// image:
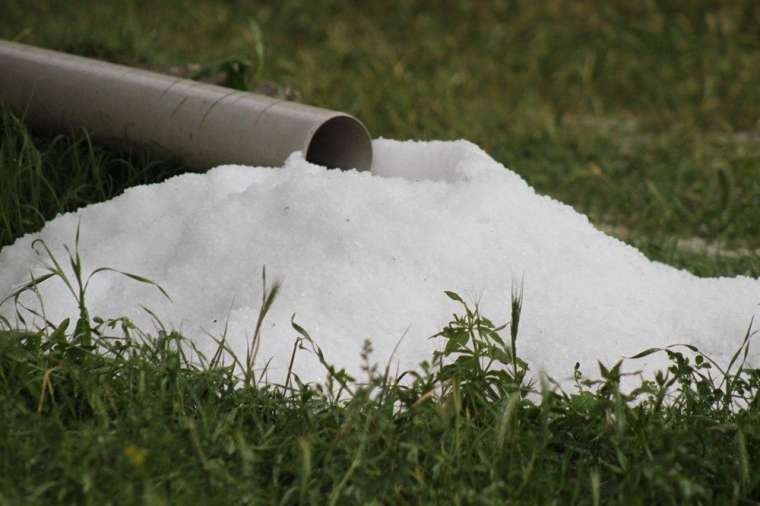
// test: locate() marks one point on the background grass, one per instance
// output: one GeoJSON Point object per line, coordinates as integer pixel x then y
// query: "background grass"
{"type": "Point", "coordinates": [646, 115]}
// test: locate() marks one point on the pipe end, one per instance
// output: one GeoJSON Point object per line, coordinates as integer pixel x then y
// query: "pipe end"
{"type": "Point", "coordinates": [341, 142]}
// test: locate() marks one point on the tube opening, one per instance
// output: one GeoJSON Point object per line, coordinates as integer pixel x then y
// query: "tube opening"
{"type": "Point", "coordinates": [341, 142]}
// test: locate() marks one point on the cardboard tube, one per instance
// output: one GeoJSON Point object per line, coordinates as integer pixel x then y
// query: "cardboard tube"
{"type": "Point", "coordinates": [200, 124]}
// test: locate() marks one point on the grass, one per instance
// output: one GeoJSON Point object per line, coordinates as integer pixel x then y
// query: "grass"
{"type": "Point", "coordinates": [646, 116]}
{"type": "Point", "coordinates": [44, 176]}
{"type": "Point", "coordinates": [100, 413]}
{"type": "Point", "coordinates": [643, 116]}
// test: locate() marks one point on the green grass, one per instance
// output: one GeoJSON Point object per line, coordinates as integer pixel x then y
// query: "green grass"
{"type": "Point", "coordinates": [97, 412]}
{"type": "Point", "coordinates": [43, 176]}
{"type": "Point", "coordinates": [645, 115]}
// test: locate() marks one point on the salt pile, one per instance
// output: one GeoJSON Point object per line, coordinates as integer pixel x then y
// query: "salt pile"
{"type": "Point", "coordinates": [369, 256]}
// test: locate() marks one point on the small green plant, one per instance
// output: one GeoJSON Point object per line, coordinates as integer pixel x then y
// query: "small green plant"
{"type": "Point", "coordinates": [476, 360]}
{"type": "Point", "coordinates": [85, 328]}
{"type": "Point", "coordinates": [697, 388]}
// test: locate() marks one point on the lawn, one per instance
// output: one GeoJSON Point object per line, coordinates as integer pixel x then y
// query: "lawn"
{"type": "Point", "coordinates": [645, 116]}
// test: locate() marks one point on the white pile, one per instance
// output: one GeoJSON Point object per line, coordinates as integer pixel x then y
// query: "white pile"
{"type": "Point", "coordinates": [369, 256]}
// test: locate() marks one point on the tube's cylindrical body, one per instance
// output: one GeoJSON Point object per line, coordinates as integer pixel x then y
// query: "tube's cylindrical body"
{"type": "Point", "coordinates": [200, 124]}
